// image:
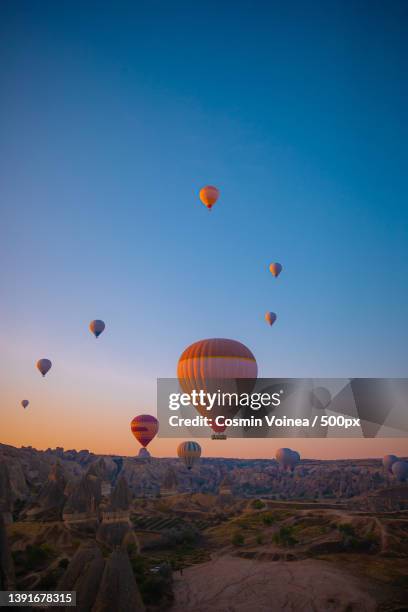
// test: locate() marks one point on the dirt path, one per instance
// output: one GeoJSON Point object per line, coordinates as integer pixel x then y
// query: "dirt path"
{"type": "Point", "coordinates": [232, 584]}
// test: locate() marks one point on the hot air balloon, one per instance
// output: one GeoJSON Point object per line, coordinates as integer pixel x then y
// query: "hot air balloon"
{"type": "Point", "coordinates": [270, 318]}
{"type": "Point", "coordinates": [25, 403]}
{"type": "Point", "coordinates": [96, 327]}
{"type": "Point", "coordinates": [388, 461]}
{"type": "Point", "coordinates": [144, 427]}
{"type": "Point", "coordinates": [217, 364]}
{"type": "Point", "coordinates": [275, 269]}
{"type": "Point", "coordinates": [295, 459]}
{"type": "Point", "coordinates": [44, 365]}
{"type": "Point", "coordinates": [400, 470]}
{"type": "Point", "coordinates": [209, 195]}
{"type": "Point", "coordinates": [284, 457]}
{"type": "Point", "coordinates": [189, 452]}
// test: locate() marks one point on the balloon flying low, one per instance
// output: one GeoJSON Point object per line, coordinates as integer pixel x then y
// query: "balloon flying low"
{"type": "Point", "coordinates": [287, 458]}
{"type": "Point", "coordinates": [270, 318]}
{"type": "Point", "coordinates": [25, 403]}
{"type": "Point", "coordinates": [189, 453]}
{"type": "Point", "coordinates": [44, 365]}
{"type": "Point", "coordinates": [400, 470]}
{"type": "Point", "coordinates": [96, 327]}
{"type": "Point", "coordinates": [388, 462]}
{"type": "Point", "coordinates": [144, 427]}
{"type": "Point", "coordinates": [209, 195]}
{"type": "Point", "coordinates": [275, 269]}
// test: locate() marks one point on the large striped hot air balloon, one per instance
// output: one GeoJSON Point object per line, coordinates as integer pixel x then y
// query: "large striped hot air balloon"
{"type": "Point", "coordinates": [144, 427]}
{"type": "Point", "coordinates": [189, 453]}
{"type": "Point", "coordinates": [217, 364]}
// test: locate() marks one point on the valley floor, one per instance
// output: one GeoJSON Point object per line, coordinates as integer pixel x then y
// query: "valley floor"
{"type": "Point", "coordinates": [233, 584]}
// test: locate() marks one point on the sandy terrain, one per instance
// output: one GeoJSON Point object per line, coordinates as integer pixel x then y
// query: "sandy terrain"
{"type": "Point", "coordinates": [232, 584]}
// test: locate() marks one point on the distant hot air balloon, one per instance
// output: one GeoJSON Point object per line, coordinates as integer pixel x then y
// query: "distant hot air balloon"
{"type": "Point", "coordinates": [284, 458]}
{"type": "Point", "coordinates": [400, 470]}
{"type": "Point", "coordinates": [96, 327]}
{"type": "Point", "coordinates": [217, 364]}
{"type": "Point", "coordinates": [144, 427]}
{"type": "Point", "coordinates": [275, 269]}
{"type": "Point", "coordinates": [189, 453]}
{"type": "Point", "coordinates": [270, 318]}
{"type": "Point", "coordinates": [209, 195]}
{"type": "Point", "coordinates": [388, 461]}
{"type": "Point", "coordinates": [25, 403]}
{"type": "Point", "coordinates": [295, 459]}
{"type": "Point", "coordinates": [44, 365]}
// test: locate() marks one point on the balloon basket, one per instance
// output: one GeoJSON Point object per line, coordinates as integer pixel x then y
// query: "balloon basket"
{"type": "Point", "coordinates": [218, 436]}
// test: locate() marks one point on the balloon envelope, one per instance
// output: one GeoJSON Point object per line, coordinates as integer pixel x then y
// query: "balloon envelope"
{"type": "Point", "coordinates": [44, 365]}
{"type": "Point", "coordinates": [217, 364]}
{"type": "Point", "coordinates": [144, 427]}
{"type": "Point", "coordinates": [388, 461]}
{"type": "Point", "coordinates": [209, 195]}
{"type": "Point", "coordinates": [189, 453]}
{"type": "Point", "coordinates": [284, 457]}
{"type": "Point", "coordinates": [275, 269]}
{"type": "Point", "coordinates": [96, 327]}
{"type": "Point", "coordinates": [400, 470]}
{"type": "Point", "coordinates": [25, 403]}
{"type": "Point", "coordinates": [270, 318]}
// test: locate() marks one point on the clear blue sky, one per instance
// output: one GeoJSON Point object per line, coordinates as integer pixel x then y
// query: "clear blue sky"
{"type": "Point", "coordinates": [114, 114]}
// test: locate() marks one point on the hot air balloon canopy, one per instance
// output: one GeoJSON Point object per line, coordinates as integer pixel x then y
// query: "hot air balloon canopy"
{"type": "Point", "coordinates": [217, 364]}
{"type": "Point", "coordinates": [96, 327]}
{"type": "Point", "coordinates": [209, 195]}
{"type": "Point", "coordinates": [400, 470]}
{"type": "Point", "coordinates": [144, 427]}
{"type": "Point", "coordinates": [275, 269]}
{"type": "Point", "coordinates": [388, 461]}
{"type": "Point", "coordinates": [44, 365]}
{"type": "Point", "coordinates": [270, 317]}
{"type": "Point", "coordinates": [189, 452]}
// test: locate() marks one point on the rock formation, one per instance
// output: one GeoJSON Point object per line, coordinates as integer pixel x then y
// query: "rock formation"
{"type": "Point", "coordinates": [7, 577]}
{"type": "Point", "coordinates": [116, 526]}
{"type": "Point", "coordinates": [118, 589]}
{"type": "Point", "coordinates": [169, 485]}
{"type": "Point", "coordinates": [50, 502]}
{"type": "Point", "coordinates": [6, 496]}
{"type": "Point", "coordinates": [101, 586]}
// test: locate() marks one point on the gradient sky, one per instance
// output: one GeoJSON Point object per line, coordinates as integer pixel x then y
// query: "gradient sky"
{"type": "Point", "coordinates": [112, 116]}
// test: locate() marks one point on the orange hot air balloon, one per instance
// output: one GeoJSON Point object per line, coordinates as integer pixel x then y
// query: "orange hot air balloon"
{"type": "Point", "coordinates": [217, 364]}
{"type": "Point", "coordinates": [275, 269]}
{"type": "Point", "coordinates": [144, 427]}
{"type": "Point", "coordinates": [270, 317]}
{"type": "Point", "coordinates": [209, 195]}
